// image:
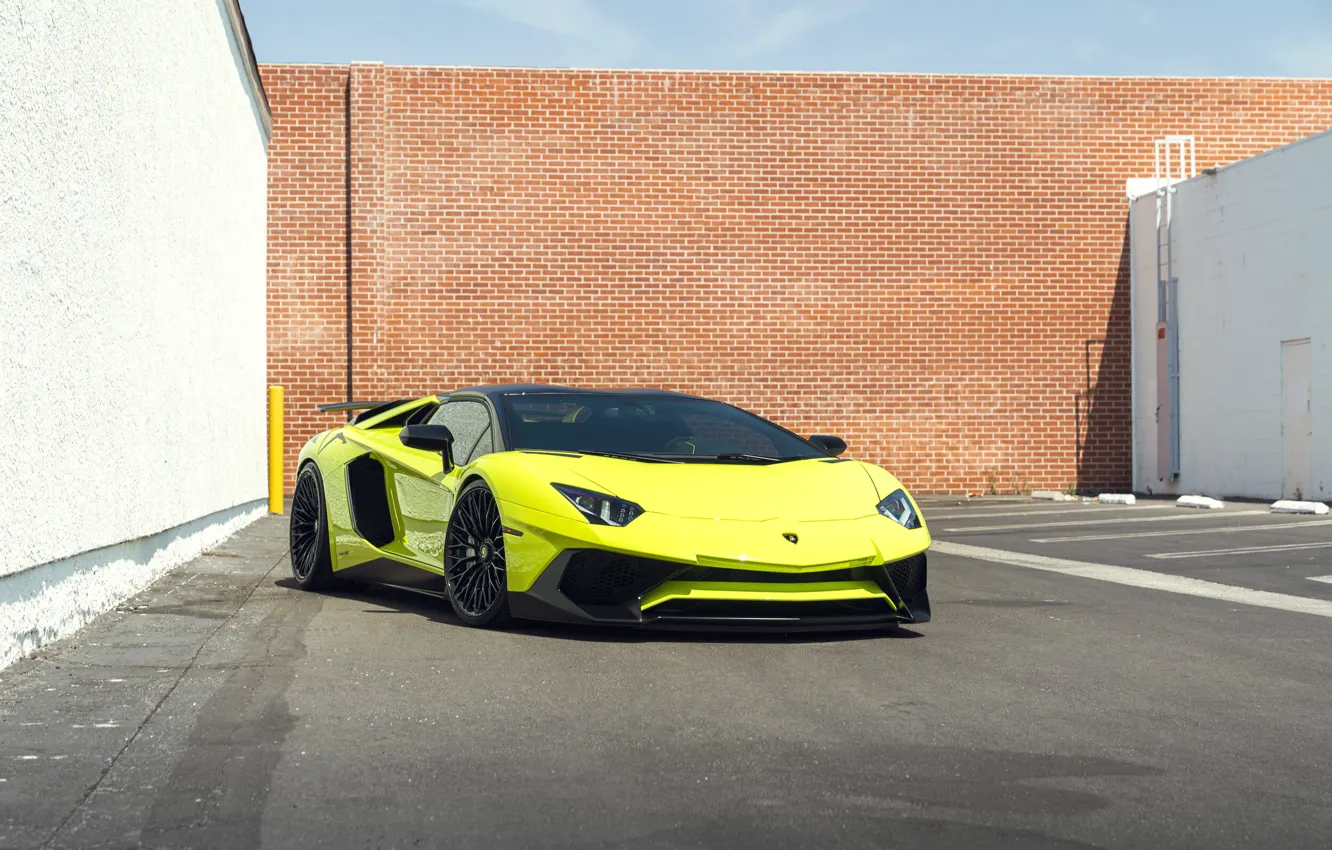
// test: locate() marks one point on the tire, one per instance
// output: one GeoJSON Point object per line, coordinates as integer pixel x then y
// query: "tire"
{"type": "Point", "coordinates": [474, 564]}
{"type": "Point", "coordinates": [308, 543]}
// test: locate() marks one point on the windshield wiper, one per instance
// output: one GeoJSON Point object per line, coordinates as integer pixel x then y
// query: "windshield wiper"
{"type": "Point", "coordinates": [749, 457]}
{"type": "Point", "coordinates": [628, 456]}
{"type": "Point", "coordinates": [667, 458]}
{"type": "Point", "coordinates": [735, 456]}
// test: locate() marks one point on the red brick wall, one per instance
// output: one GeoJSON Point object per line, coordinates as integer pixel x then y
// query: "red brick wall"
{"type": "Point", "coordinates": [932, 267]}
{"type": "Point", "coordinates": [307, 246]}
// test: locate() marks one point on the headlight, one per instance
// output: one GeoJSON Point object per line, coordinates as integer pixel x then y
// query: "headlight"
{"type": "Point", "coordinates": [599, 508]}
{"type": "Point", "coordinates": [898, 507]}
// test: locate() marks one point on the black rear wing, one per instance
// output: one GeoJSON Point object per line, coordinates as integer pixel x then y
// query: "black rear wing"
{"type": "Point", "coordinates": [367, 408]}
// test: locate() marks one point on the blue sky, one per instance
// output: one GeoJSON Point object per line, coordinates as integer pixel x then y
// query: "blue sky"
{"type": "Point", "coordinates": [1175, 37]}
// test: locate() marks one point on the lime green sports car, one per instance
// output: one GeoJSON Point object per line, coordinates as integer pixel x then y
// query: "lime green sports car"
{"type": "Point", "coordinates": [634, 507]}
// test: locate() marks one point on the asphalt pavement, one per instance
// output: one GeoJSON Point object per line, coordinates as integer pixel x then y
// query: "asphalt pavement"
{"type": "Point", "coordinates": [1047, 705]}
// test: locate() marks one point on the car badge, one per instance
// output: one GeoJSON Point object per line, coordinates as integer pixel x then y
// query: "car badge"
{"type": "Point", "coordinates": [790, 538]}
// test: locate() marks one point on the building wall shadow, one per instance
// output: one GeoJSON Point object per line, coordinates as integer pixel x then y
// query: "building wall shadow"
{"type": "Point", "coordinates": [1103, 407]}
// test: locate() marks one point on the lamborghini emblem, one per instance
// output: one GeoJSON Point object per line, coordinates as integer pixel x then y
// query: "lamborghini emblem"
{"type": "Point", "coordinates": [790, 538]}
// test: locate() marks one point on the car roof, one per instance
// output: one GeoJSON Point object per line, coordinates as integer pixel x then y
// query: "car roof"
{"type": "Point", "coordinates": [495, 391]}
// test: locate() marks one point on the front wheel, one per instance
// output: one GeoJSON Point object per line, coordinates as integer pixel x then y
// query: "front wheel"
{"type": "Point", "coordinates": [474, 565]}
{"type": "Point", "coordinates": [311, 560]}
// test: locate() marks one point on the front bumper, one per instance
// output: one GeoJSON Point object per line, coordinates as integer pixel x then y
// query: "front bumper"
{"type": "Point", "coordinates": [678, 572]}
{"type": "Point", "coordinates": [598, 586]}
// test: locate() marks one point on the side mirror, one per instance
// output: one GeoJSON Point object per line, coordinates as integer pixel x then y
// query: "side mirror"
{"type": "Point", "coordinates": [429, 438]}
{"type": "Point", "coordinates": [832, 445]}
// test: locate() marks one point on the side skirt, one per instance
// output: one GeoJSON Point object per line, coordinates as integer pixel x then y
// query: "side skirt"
{"type": "Point", "coordinates": [396, 573]}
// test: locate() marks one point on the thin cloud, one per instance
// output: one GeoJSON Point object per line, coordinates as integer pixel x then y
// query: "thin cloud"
{"type": "Point", "coordinates": [1303, 56]}
{"type": "Point", "coordinates": [1015, 54]}
{"type": "Point", "coordinates": [1009, 49]}
{"type": "Point", "coordinates": [1141, 16]}
{"type": "Point", "coordinates": [793, 25]}
{"type": "Point", "coordinates": [576, 20]}
{"type": "Point", "coordinates": [1090, 51]}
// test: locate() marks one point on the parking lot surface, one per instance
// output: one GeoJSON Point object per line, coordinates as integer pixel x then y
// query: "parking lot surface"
{"type": "Point", "coordinates": [1243, 544]}
{"type": "Point", "coordinates": [1095, 676]}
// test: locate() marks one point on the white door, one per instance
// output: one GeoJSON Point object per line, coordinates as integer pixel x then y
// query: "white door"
{"type": "Point", "coordinates": [1296, 424]}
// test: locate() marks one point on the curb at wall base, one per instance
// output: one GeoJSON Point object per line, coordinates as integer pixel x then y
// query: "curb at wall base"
{"type": "Point", "coordinates": [50, 601]}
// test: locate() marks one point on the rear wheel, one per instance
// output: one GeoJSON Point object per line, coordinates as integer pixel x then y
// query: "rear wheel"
{"type": "Point", "coordinates": [311, 561]}
{"type": "Point", "coordinates": [474, 564]}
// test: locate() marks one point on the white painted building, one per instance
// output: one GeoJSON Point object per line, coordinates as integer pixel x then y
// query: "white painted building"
{"type": "Point", "coordinates": [1250, 248]}
{"type": "Point", "coordinates": [133, 185]}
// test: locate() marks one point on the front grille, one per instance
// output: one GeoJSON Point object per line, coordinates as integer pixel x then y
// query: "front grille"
{"type": "Point", "coordinates": [768, 577]}
{"type": "Point", "coordinates": [908, 576]}
{"type": "Point", "coordinates": [594, 577]}
{"type": "Point", "coordinates": [739, 611]}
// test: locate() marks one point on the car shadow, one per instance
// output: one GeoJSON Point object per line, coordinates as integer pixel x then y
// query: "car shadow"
{"type": "Point", "coordinates": [394, 600]}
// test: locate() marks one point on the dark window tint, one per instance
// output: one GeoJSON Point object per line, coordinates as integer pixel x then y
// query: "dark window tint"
{"type": "Point", "coordinates": [372, 412]}
{"type": "Point", "coordinates": [422, 413]}
{"type": "Point", "coordinates": [711, 434]}
{"type": "Point", "coordinates": [469, 421]}
{"type": "Point", "coordinates": [397, 420]}
{"type": "Point", "coordinates": [484, 446]}
{"type": "Point", "coordinates": [645, 424]}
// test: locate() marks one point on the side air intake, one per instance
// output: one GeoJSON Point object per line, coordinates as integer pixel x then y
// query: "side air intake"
{"type": "Point", "coordinates": [594, 577]}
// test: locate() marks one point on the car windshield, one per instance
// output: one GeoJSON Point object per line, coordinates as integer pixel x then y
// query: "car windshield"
{"type": "Point", "coordinates": [660, 427]}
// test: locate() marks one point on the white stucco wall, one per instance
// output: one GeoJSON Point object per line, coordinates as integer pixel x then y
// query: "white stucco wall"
{"type": "Point", "coordinates": [133, 174]}
{"type": "Point", "coordinates": [1253, 254]}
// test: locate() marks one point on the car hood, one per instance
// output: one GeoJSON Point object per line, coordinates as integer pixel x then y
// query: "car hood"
{"type": "Point", "coordinates": [804, 490]}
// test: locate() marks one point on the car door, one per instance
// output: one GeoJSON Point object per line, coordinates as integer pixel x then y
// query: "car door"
{"type": "Point", "coordinates": [424, 492]}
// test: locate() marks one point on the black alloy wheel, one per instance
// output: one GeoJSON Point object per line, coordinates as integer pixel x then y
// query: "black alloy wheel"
{"type": "Point", "coordinates": [474, 566]}
{"type": "Point", "coordinates": [311, 561]}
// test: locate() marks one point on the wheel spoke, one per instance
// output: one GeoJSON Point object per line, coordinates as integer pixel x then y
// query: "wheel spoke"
{"type": "Point", "coordinates": [304, 529]}
{"type": "Point", "coordinates": [475, 582]}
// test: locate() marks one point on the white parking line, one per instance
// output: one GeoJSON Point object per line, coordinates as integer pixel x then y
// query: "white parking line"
{"type": "Point", "coordinates": [1141, 578]}
{"type": "Point", "coordinates": [1323, 579]}
{"type": "Point", "coordinates": [1136, 534]}
{"type": "Point", "coordinates": [997, 510]}
{"type": "Point", "coordinates": [1245, 550]}
{"type": "Point", "coordinates": [1190, 515]}
{"type": "Point", "coordinates": [1059, 510]}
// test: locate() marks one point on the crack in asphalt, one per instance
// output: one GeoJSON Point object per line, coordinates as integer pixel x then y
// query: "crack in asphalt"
{"type": "Point", "coordinates": [92, 789]}
{"type": "Point", "coordinates": [167, 668]}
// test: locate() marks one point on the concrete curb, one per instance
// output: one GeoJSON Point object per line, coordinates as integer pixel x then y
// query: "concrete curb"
{"type": "Point", "coordinates": [1288, 506]}
{"type": "Point", "coordinates": [49, 601]}
{"type": "Point", "coordinates": [1202, 502]}
{"type": "Point", "coordinates": [1117, 499]}
{"type": "Point", "coordinates": [1052, 496]}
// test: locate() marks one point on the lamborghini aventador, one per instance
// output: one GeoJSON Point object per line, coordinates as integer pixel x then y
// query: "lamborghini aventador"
{"type": "Point", "coordinates": [635, 507]}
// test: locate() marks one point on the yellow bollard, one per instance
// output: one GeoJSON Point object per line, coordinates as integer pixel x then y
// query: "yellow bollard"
{"type": "Point", "coordinates": [275, 477]}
